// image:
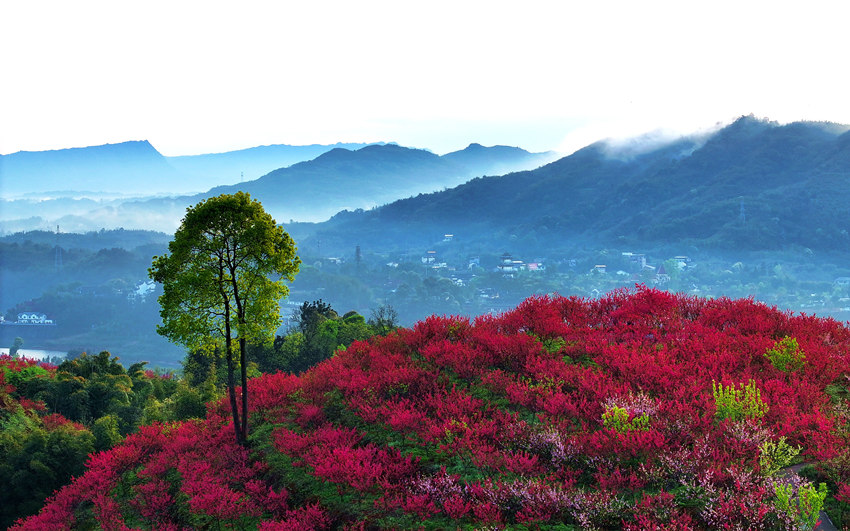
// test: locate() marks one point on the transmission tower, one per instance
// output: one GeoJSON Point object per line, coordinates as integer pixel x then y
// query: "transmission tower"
{"type": "Point", "coordinates": [57, 254]}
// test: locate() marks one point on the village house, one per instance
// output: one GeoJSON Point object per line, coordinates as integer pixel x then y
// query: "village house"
{"type": "Point", "coordinates": [508, 266]}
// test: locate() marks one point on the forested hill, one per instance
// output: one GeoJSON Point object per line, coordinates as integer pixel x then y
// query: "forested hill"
{"type": "Point", "coordinates": [640, 410]}
{"type": "Point", "coordinates": [753, 184]}
{"type": "Point", "coordinates": [371, 176]}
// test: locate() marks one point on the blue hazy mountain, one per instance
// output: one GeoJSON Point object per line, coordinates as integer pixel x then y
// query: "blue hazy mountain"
{"type": "Point", "coordinates": [372, 176]}
{"type": "Point", "coordinates": [754, 184]}
{"type": "Point", "coordinates": [343, 176]}
{"type": "Point", "coordinates": [127, 168]}
{"type": "Point", "coordinates": [248, 164]}
{"type": "Point", "coordinates": [137, 168]}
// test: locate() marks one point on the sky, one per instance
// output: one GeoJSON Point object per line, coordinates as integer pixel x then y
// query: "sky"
{"type": "Point", "coordinates": [207, 76]}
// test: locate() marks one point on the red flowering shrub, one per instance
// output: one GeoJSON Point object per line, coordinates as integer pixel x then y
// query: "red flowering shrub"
{"type": "Point", "coordinates": [595, 414]}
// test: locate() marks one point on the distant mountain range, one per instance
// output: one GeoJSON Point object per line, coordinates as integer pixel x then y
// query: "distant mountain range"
{"type": "Point", "coordinates": [137, 168]}
{"type": "Point", "coordinates": [751, 185]}
{"type": "Point", "coordinates": [372, 176]}
{"type": "Point", "coordinates": [343, 176]}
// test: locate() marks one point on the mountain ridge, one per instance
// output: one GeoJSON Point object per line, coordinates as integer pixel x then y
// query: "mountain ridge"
{"type": "Point", "coordinates": [793, 182]}
{"type": "Point", "coordinates": [312, 190]}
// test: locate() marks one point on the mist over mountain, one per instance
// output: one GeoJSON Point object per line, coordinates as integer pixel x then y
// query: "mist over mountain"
{"type": "Point", "coordinates": [215, 169]}
{"type": "Point", "coordinates": [128, 168]}
{"type": "Point", "coordinates": [314, 190]}
{"type": "Point", "coordinates": [136, 168]}
{"type": "Point", "coordinates": [753, 184]}
{"type": "Point", "coordinates": [369, 177]}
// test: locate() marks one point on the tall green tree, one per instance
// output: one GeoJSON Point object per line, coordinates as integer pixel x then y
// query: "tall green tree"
{"type": "Point", "coordinates": [222, 279]}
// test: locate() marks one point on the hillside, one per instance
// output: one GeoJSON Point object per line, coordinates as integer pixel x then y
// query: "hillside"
{"type": "Point", "coordinates": [125, 168]}
{"type": "Point", "coordinates": [753, 185]}
{"type": "Point", "coordinates": [372, 176]}
{"type": "Point", "coordinates": [90, 288]}
{"type": "Point", "coordinates": [616, 413]}
{"type": "Point", "coordinates": [249, 164]}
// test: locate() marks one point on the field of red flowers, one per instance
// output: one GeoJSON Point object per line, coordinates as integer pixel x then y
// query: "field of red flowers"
{"type": "Point", "coordinates": [640, 410]}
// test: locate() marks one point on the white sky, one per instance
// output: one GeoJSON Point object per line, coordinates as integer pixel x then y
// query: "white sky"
{"type": "Point", "coordinates": [207, 76]}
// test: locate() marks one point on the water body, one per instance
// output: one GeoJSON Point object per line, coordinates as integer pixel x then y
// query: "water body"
{"type": "Point", "coordinates": [36, 354]}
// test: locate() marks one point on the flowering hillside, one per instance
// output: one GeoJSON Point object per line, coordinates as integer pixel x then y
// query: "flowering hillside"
{"type": "Point", "coordinates": [641, 410]}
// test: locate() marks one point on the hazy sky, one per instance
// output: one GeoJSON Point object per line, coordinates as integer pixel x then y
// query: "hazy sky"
{"type": "Point", "coordinates": [195, 77]}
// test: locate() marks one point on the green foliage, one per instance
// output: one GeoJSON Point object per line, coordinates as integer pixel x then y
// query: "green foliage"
{"type": "Point", "coordinates": [838, 391]}
{"type": "Point", "coordinates": [786, 355]}
{"type": "Point", "coordinates": [216, 277]}
{"type": "Point", "coordinates": [90, 387]}
{"type": "Point", "coordinates": [618, 419]}
{"type": "Point", "coordinates": [804, 509]}
{"type": "Point", "coordinates": [320, 332]}
{"type": "Point", "coordinates": [383, 319]}
{"type": "Point", "coordinates": [188, 403]}
{"type": "Point", "coordinates": [774, 456]}
{"type": "Point", "coordinates": [17, 378]}
{"type": "Point", "coordinates": [554, 345]}
{"type": "Point", "coordinates": [105, 431]}
{"type": "Point", "coordinates": [738, 403]}
{"type": "Point", "coordinates": [35, 461]}
{"type": "Point", "coordinates": [105, 402]}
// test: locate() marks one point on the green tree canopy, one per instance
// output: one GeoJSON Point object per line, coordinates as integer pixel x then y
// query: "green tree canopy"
{"type": "Point", "coordinates": [222, 280]}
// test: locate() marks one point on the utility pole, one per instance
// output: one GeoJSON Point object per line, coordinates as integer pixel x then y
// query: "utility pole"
{"type": "Point", "coordinates": [357, 258]}
{"type": "Point", "coordinates": [57, 254]}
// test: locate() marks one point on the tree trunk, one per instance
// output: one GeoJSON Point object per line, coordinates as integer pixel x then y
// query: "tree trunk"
{"type": "Point", "coordinates": [243, 359]}
{"type": "Point", "coordinates": [231, 381]}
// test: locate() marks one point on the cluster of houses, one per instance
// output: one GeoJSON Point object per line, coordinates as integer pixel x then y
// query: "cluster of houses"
{"type": "Point", "coordinates": [635, 264]}
{"type": "Point", "coordinates": [638, 266]}
{"type": "Point", "coordinates": [508, 266]}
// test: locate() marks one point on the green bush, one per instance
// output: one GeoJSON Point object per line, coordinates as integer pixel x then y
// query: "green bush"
{"type": "Point", "coordinates": [804, 509]}
{"type": "Point", "coordinates": [617, 418]}
{"type": "Point", "coordinates": [738, 403]}
{"type": "Point", "coordinates": [106, 433]}
{"type": "Point", "coordinates": [786, 355]}
{"type": "Point", "coordinates": [774, 456]}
